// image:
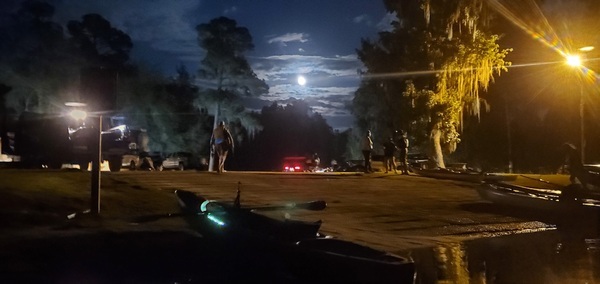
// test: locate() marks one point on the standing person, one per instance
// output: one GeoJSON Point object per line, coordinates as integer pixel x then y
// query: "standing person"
{"type": "Point", "coordinates": [315, 162]}
{"type": "Point", "coordinates": [222, 142]}
{"type": "Point", "coordinates": [367, 148]}
{"type": "Point", "coordinates": [403, 146]}
{"type": "Point", "coordinates": [389, 151]}
{"type": "Point", "coordinates": [575, 165]}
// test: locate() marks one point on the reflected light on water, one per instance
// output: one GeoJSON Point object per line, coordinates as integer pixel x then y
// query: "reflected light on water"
{"type": "Point", "coordinates": [545, 257]}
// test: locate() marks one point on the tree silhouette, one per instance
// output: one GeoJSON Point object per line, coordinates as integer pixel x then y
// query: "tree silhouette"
{"type": "Point", "coordinates": [99, 43]}
{"type": "Point", "coordinates": [225, 72]}
{"type": "Point", "coordinates": [34, 59]}
{"type": "Point", "coordinates": [428, 71]}
{"type": "Point", "coordinates": [105, 50]}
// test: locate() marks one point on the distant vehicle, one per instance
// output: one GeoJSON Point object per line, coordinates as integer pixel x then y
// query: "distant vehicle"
{"type": "Point", "coordinates": [52, 140]}
{"type": "Point", "coordinates": [182, 161]}
{"type": "Point", "coordinates": [352, 166]}
{"type": "Point", "coordinates": [130, 160]}
{"type": "Point", "coordinates": [417, 160]}
{"type": "Point", "coordinates": [133, 160]}
{"type": "Point", "coordinates": [294, 164]}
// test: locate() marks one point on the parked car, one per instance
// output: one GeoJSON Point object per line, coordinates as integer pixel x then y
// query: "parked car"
{"type": "Point", "coordinates": [133, 160]}
{"type": "Point", "coordinates": [182, 161]}
{"type": "Point", "coordinates": [352, 166]}
{"type": "Point", "coordinates": [417, 160]}
{"type": "Point", "coordinates": [294, 164]}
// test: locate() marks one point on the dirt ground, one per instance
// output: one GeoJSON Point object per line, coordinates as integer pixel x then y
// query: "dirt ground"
{"type": "Point", "coordinates": [43, 211]}
{"type": "Point", "coordinates": [392, 212]}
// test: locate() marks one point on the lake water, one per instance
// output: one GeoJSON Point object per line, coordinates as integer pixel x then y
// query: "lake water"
{"type": "Point", "coordinates": [569, 255]}
{"type": "Point", "coordinates": [557, 256]}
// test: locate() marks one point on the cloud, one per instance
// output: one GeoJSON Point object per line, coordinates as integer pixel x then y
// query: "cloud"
{"type": "Point", "coordinates": [165, 26]}
{"type": "Point", "coordinates": [385, 24]}
{"type": "Point", "coordinates": [281, 67]}
{"type": "Point", "coordinates": [331, 82]}
{"type": "Point", "coordinates": [164, 29]}
{"type": "Point", "coordinates": [230, 10]}
{"type": "Point", "coordinates": [289, 37]}
{"type": "Point", "coordinates": [363, 19]}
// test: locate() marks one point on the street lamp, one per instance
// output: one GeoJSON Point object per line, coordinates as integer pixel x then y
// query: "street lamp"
{"type": "Point", "coordinates": [80, 115]}
{"type": "Point", "coordinates": [575, 61]}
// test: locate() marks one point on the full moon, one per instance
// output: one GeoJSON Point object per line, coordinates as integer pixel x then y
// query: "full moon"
{"type": "Point", "coordinates": [301, 80]}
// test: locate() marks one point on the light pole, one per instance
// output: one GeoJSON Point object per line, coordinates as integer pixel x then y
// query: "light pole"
{"type": "Point", "coordinates": [575, 61]}
{"type": "Point", "coordinates": [79, 114]}
{"type": "Point", "coordinates": [581, 122]}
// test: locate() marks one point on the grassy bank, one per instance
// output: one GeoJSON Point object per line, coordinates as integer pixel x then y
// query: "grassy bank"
{"type": "Point", "coordinates": [46, 197]}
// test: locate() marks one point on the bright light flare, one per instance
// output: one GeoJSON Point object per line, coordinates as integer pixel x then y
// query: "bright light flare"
{"type": "Point", "coordinates": [75, 104]}
{"type": "Point", "coordinates": [574, 60]}
{"type": "Point", "coordinates": [301, 80]}
{"type": "Point", "coordinates": [78, 114]}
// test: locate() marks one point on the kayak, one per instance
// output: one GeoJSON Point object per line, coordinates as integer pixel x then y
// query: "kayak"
{"type": "Point", "coordinates": [462, 175]}
{"type": "Point", "coordinates": [541, 199]}
{"type": "Point", "coordinates": [221, 220]}
{"type": "Point", "coordinates": [311, 255]}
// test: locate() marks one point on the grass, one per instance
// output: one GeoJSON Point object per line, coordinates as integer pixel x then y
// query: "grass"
{"type": "Point", "coordinates": [44, 197]}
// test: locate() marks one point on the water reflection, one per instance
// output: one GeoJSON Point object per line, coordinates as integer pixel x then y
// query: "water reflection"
{"type": "Point", "coordinates": [569, 254]}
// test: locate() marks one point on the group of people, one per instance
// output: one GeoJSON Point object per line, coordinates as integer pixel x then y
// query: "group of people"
{"type": "Point", "coordinates": [393, 145]}
{"type": "Point", "coordinates": [222, 143]}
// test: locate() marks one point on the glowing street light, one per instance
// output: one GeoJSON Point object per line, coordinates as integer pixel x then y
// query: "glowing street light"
{"type": "Point", "coordinates": [78, 114]}
{"type": "Point", "coordinates": [575, 61]}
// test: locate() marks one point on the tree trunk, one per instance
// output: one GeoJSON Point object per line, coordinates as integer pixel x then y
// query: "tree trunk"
{"type": "Point", "coordinates": [436, 156]}
{"type": "Point", "coordinates": [211, 159]}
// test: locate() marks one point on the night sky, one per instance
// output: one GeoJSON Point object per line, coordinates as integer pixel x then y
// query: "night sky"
{"type": "Point", "coordinates": [312, 38]}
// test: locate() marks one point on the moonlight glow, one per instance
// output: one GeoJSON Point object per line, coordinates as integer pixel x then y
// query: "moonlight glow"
{"type": "Point", "coordinates": [301, 80]}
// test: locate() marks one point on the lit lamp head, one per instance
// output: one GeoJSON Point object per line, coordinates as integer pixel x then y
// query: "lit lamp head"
{"type": "Point", "coordinates": [78, 114]}
{"type": "Point", "coordinates": [574, 60]}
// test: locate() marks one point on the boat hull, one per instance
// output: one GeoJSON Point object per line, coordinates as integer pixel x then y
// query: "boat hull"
{"type": "Point", "coordinates": [466, 176]}
{"type": "Point", "coordinates": [537, 198]}
{"type": "Point", "coordinates": [339, 261]}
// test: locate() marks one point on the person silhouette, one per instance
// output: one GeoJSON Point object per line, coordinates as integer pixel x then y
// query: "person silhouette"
{"type": "Point", "coordinates": [222, 142]}
{"type": "Point", "coordinates": [367, 148]}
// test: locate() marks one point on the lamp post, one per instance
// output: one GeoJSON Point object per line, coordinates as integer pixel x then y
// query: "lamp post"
{"type": "Point", "coordinates": [80, 115]}
{"type": "Point", "coordinates": [575, 61]}
{"type": "Point", "coordinates": [581, 122]}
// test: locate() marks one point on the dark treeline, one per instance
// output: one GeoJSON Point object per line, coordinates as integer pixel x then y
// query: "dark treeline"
{"type": "Point", "coordinates": [291, 130]}
{"type": "Point", "coordinates": [43, 65]}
